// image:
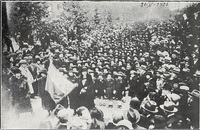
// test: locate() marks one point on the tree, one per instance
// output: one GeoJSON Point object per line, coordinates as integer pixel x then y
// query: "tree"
{"type": "Point", "coordinates": [27, 17]}
{"type": "Point", "coordinates": [75, 18]}
{"type": "Point", "coordinates": [109, 17]}
{"type": "Point", "coordinates": [5, 29]}
{"type": "Point", "coordinates": [189, 23]}
{"type": "Point", "coordinates": [96, 16]}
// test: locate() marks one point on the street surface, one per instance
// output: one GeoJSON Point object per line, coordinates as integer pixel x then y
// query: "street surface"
{"type": "Point", "coordinates": [27, 120]}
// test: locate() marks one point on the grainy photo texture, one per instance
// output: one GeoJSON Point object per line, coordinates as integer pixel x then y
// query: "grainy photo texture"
{"type": "Point", "coordinates": [100, 65]}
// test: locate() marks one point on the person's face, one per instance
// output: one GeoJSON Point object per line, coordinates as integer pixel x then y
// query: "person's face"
{"type": "Point", "coordinates": [120, 63]}
{"type": "Point", "coordinates": [98, 61]}
{"type": "Point", "coordinates": [30, 57]}
{"type": "Point", "coordinates": [61, 55]}
{"type": "Point", "coordinates": [120, 77]}
{"type": "Point", "coordinates": [18, 75]}
{"type": "Point", "coordinates": [93, 65]}
{"type": "Point", "coordinates": [86, 64]}
{"type": "Point", "coordinates": [79, 65]}
{"type": "Point", "coordinates": [105, 70]}
{"type": "Point", "coordinates": [109, 76]}
{"type": "Point", "coordinates": [158, 74]}
{"type": "Point", "coordinates": [38, 62]}
{"type": "Point", "coordinates": [11, 59]}
{"type": "Point", "coordinates": [71, 64]}
{"type": "Point", "coordinates": [132, 73]}
{"type": "Point", "coordinates": [84, 72]}
{"type": "Point", "coordinates": [148, 76]}
{"type": "Point", "coordinates": [173, 76]}
{"type": "Point", "coordinates": [128, 66]}
{"type": "Point", "coordinates": [92, 74]}
{"type": "Point", "coordinates": [100, 77]}
{"type": "Point", "coordinates": [70, 73]}
{"type": "Point", "coordinates": [96, 69]}
{"type": "Point", "coordinates": [30, 60]}
{"type": "Point", "coordinates": [174, 56]}
{"type": "Point", "coordinates": [41, 54]}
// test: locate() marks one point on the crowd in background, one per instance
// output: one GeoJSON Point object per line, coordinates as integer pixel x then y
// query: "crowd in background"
{"type": "Point", "coordinates": [151, 65]}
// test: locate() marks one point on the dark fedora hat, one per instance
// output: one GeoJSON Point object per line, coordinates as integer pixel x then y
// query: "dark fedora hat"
{"type": "Point", "coordinates": [135, 103]}
{"type": "Point", "coordinates": [150, 106]}
{"type": "Point", "coordinates": [15, 70]}
{"type": "Point", "coordinates": [132, 115]}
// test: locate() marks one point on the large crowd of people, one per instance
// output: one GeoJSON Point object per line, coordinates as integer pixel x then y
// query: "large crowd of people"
{"type": "Point", "coordinates": [150, 65]}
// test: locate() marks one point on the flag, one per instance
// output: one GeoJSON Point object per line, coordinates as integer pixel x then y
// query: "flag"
{"type": "Point", "coordinates": [57, 85]}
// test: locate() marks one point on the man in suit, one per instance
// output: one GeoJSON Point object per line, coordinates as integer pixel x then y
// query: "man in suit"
{"type": "Point", "coordinates": [173, 120]}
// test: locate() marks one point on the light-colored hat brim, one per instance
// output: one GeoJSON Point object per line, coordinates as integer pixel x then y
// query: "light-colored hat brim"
{"type": "Point", "coordinates": [156, 110]}
{"type": "Point", "coordinates": [175, 109]}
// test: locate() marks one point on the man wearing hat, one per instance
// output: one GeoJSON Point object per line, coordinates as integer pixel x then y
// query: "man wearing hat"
{"type": "Point", "coordinates": [97, 117]}
{"type": "Point", "coordinates": [134, 117]}
{"type": "Point", "coordinates": [85, 84]}
{"type": "Point", "coordinates": [119, 85]}
{"type": "Point", "coordinates": [64, 115]}
{"type": "Point", "coordinates": [100, 87]}
{"type": "Point", "coordinates": [133, 83]}
{"type": "Point", "coordinates": [149, 109]}
{"type": "Point", "coordinates": [169, 113]}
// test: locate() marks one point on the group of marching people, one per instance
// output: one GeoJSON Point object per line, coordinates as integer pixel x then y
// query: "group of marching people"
{"type": "Point", "coordinates": [150, 68]}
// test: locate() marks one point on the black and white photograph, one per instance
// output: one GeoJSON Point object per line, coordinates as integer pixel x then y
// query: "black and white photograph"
{"type": "Point", "coordinates": [100, 65]}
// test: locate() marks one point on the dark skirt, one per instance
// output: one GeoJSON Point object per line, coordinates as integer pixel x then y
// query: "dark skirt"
{"type": "Point", "coordinates": [47, 102]}
{"type": "Point", "coordinates": [23, 105]}
{"type": "Point", "coordinates": [87, 100]}
{"type": "Point", "coordinates": [109, 93]}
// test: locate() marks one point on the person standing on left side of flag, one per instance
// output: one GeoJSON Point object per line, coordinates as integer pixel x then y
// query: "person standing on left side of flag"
{"type": "Point", "coordinates": [20, 93]}
{"type": "Point", "coordinates": [25, 72]}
